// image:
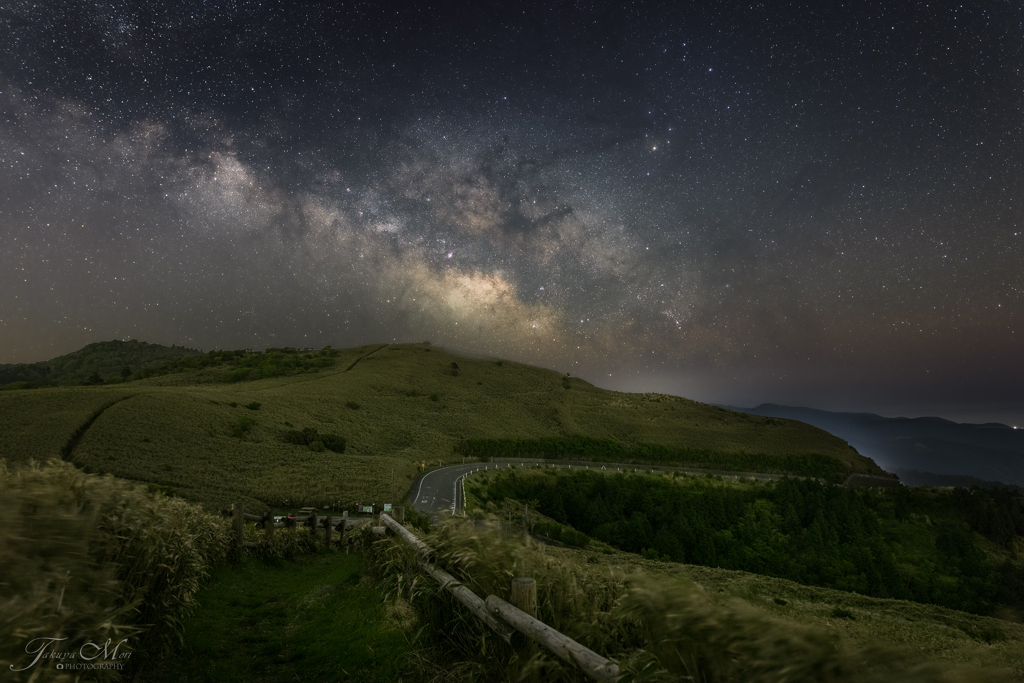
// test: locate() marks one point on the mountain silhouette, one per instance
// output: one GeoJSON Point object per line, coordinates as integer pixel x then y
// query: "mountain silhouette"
{"type": "Point", "coordinates": [920, 445]}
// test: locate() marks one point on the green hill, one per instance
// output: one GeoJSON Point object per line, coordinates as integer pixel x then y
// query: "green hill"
{"type": "Point", "coordinates": [94, 364]}
{"type": "Point", "coordinates": [216, 435]}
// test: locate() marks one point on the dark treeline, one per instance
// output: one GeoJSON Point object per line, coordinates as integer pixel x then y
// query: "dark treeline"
{"type": "Point", "coordinates": [960, 549]}
{"type": "Point", "coordinates": [609, 450]}
{"type": "Point", "coordinates": [241, 365]}
{"type": "Point", "coordinates": [116, 362]}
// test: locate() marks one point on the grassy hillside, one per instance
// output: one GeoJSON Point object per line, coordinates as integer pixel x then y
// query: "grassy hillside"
{"type": "Point", "coordinates": [956, 548]}
{"type": "Point", "coordinates": [93, 364]}
{"type": "Point", "coordinates": [397, 406]}
{"type": "Point", "coordinates": [725, 626]}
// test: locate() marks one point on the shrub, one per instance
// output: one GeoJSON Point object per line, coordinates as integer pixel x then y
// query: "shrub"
{"type": "Point", "coordinates": [352, 404]}
{"type": "Point", "coordinates": [243, 427]}
{"type": "Point", "coordinates": [255, 405]}
{"type": "Point", "coordinates": [333, 442]}
{"type": "Point", "coordinates": [315, 440]}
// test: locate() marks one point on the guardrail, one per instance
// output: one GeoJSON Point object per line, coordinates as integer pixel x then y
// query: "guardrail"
{"type": "Point", "coordinates": [505, 618]}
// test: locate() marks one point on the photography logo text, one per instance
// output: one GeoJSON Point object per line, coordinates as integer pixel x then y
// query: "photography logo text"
{"type": "Point", "coordinates": [108, 655]}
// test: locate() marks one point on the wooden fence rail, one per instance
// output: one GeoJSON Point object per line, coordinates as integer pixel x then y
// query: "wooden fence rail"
{"type": "Point", "coordinates": [239, 517]}
{"type": "Point", "coordinates": [503, 617]}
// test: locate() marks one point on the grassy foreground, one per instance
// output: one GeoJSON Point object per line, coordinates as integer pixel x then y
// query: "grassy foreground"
{"type": "Point", "coordinates": [84, 559]}
{"type": "Point", "coordinates": [314, 619]}
{"type": "Point", "coordinates": [397, 407]}
{"type": "Point", "coordinates": [665, 621]}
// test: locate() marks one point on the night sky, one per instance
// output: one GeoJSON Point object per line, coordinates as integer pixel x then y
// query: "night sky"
{"type": "Point", "coordinates": [813, 204]}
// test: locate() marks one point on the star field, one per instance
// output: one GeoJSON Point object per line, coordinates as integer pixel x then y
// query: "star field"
{"type": "Point", "coordinates": [804, 203]}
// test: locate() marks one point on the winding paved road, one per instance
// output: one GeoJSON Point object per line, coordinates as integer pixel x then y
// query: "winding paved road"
{"type": "Point", "coordinates": [440, 492]}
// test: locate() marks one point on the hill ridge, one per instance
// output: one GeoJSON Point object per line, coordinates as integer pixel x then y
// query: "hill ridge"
{"type": "Point", "coordinates": [210, 427]}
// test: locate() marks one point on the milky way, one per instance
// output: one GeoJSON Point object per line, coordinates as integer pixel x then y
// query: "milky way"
{"type": "Point", "coordinates": [807, 204]}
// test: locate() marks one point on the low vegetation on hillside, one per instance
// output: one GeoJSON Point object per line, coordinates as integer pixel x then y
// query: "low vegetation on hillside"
{"type": "Point", "coordinates": [956, 548]}
{"type": "Point", "coordinates": [585, 448]}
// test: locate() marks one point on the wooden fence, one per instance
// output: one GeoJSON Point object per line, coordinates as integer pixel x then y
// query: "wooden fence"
{"type": "Point", "coordinates": [502, 617]}
{"type": "Point", "coordinates": [505, 618]}
{"type": "Point", "coordinates": [328, 523]}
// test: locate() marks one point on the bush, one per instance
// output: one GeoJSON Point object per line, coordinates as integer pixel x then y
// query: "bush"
{"type": "Point", "coordinates": [243, 427]}
{"type": "Point", "coordinates": [352, 404]}
{"type": "Point", "coordinates": [316, 441]}
{"type": "Point", "coordinates": [255, 405]}
{"type": "Point", "coordinates": [333, 442]}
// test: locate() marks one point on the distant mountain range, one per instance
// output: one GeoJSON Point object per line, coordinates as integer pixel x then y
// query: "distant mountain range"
{"type": "Point", "coordinates": [921, 450]}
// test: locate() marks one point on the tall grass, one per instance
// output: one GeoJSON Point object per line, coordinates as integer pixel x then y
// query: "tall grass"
{"type": "Point", "coordinates": [658, 628]}
{"type": "Point", "coordinates": [87, 558]}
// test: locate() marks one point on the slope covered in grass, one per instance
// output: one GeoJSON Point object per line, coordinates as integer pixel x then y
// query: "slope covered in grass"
{"type": "Point", "coordinates": [955, 548]}
{"type": "Point", "coordinates": [664, 621]}
{"type": "Point", "coordinates": [396, 406]}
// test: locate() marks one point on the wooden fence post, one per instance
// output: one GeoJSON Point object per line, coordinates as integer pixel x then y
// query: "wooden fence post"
{"type": "Point", "coordinates": [312, 523]}
{"type": "Point", "coordinates": [524, 595]}
{"type": "Point", "coordinates": [593, 664]}
{"type": "Point", "coordinates": [268, 526]}
{"type": "Point", "coordinates": [238, 521]}
{"type": "Point", "coordinates": [399, 514]}
{"type": "Point", "coordinates": [327, 532]}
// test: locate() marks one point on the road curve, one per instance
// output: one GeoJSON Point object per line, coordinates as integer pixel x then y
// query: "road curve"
{"type": "Point", "coordinates": [439, 492]}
